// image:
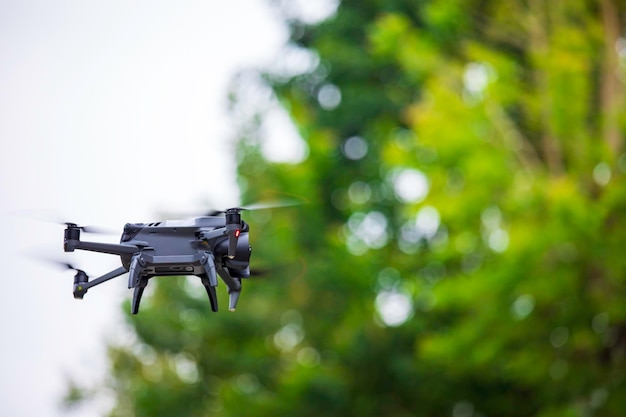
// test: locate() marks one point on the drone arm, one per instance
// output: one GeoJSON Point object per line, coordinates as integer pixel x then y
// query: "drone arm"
{"type": "Point", "coordinates": [113, 274]}
{"type": "Point", "coordinates": [110, 248]}
{"type": "Point", "coordinates": [212, 234]}
{"type": "Point", "coordinates": [232, 230]}
{"type": "Point", "coordinates": [81, 288]}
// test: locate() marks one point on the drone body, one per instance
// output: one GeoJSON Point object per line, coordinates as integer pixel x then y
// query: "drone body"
{"type": "Point", "coordinates": [206, 247]}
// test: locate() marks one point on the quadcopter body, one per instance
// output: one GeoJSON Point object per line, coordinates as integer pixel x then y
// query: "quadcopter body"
{"type": "Point", "coordinates": [207, 247]}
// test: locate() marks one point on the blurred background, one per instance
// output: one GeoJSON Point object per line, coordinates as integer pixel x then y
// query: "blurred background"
{"type": "Point", "coordinates": [462, 251]}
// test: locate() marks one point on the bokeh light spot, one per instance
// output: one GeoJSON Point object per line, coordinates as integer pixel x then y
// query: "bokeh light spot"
{"type": "Point", "coordinates": [598, 397]}
{"type": "Point", "coordinates": [366, 231]}
{"type": "Point", "coordinates": [329, 96]}
{"type": "Point", "coordinates": [394, 307]}
{"type": "Point", "coordinates": [308, 357]}
{"type": "Point", "coordinates": [491, 217]}
{"type": "Point", "coordinates": [410, 185]}
{"type": "Point", "coordinates": [427, 222]}
{"type": "Point", "coordinates": [355, 148]}
{"type": "Point", "coordinates": [389, 278]}
{"type": "Point", "coordinates": [463, 409]}
{"type": "Point", "coordinates": [523, 306]}
{"type": "Point", "coordinates": [360, 192]}
{"type": "Point", "coordinates": [186, 368]}
{"type": "Point", "coordinates": [288, 337]}
{"type": "Point", "coordinates": [559, 337]}
{"type": "Point", "coordinates": [476, 78]}
{"type": "Point", "coordinates": [498, 240]}
{"type": "Point", "coordinates": [602, 174]}
{"type": "Point", "coordinates": [247, 383]}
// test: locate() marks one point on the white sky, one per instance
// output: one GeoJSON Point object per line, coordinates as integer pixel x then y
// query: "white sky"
{"type": "Point", "coordinates": [109, 111]}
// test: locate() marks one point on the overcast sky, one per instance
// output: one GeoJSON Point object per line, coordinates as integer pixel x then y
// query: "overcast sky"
{"type": "Point", "coordinates": [109, 112]}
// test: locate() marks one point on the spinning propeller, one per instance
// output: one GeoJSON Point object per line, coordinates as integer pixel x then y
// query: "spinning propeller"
{"type": "Point", "coordinates": [89, 229]}
{"type": "Point", "coordinates": [233, 218]}
{"type": "Point", "coordinates": [80, 279]}
{"type": "Point", "coordinates": [264, 205]}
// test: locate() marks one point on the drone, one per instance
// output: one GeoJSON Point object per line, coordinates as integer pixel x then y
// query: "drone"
{"type": "Point", "coordinates": [207, 247]}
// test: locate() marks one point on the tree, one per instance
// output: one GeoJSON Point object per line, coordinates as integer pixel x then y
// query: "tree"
{"type": "Point", "coordinates": [462, 249]}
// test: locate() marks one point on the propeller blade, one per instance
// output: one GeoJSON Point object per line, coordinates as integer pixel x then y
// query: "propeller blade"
{"type": "Point", "coordinates": [259, 273]}
{"type": "Point", "coordinates": [295, 270]}
{"type": "Point", "coordinates": [272, 204]}
{"type": "Point", "coordinates": [289, 201]}
{"type": "Point", "coordinates": [58, 263]}
{"type": "Point", "coordinates": [66, 265]}
{"type": "Point", "coordinates": [92, 229]}
{"type": "Point", "coordinates": [264, 205]}
{"type": "Point", "coordinates": [49, 216]}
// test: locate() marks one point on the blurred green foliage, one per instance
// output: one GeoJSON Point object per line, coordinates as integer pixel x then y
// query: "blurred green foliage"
{"type": "Point", "coordinates": [463, 249]}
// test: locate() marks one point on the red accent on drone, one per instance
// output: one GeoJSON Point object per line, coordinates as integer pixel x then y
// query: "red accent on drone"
{"type": "Point", "coordinates": [237, 232]}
